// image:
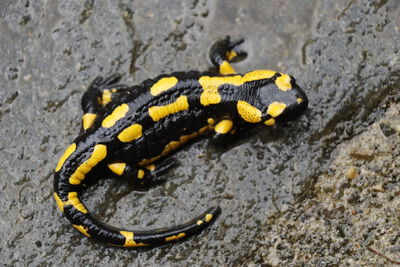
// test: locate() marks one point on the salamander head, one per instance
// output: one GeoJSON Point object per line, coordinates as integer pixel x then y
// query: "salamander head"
{"type": "Point", "coordinates": [274, 101]}
{"type": "Point", "coordinates": [282, 101]}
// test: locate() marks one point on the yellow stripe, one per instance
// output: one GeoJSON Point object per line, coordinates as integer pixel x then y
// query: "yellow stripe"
{"type": "Point", "coordinates": [270, 122]}
{"type": "Point", "coordinates": [65, 156]}
{"type": "Point", "coordinates": [75, 202]}
{"type": "Point", "coordinates": [175, 144]}
{"type": "Point", "coordinates": [225, 68]}
{"type": "Point", "coordinates": [117, 114]}
{"type": "Point", "coordinates": [224, 126]}
{"type": "Point", "coordinates": [283, 82]}
{"type": "Point", "coordinates": [162, 85]}
{"type": "Point", "coordinates": [248, 112]}
{"type": "Point", "coordinates": [106, 97]}
{"type": "Point", "coordinates": [59, 202]}
{"type": "Point", "coordinates": [140, 174]}
{"type": "Point", "coordinates": [175, 237]}
{"type": "Point", "coordinates": [72, 200]}
{"type": "Point", "coordinates": [210, 85]}
{"type": "Point", "coordinates": [151, 167]}
{"type": "Point", "coordinates": [99, 153]}
{"type": "Point", "coordinates": [81, 229]}
{"type": "Point", "coordinates": [88, 120]}
{"type": "Point", "coordinates": [258, 75]}
{"type": "Point", "coordinates": [129, 242]}
{"type": "Point", "coordinates": [276, 108]}
{"type": "Point", "coordinates": [231, 55]}
{"type": "Point", "coordinates": [159, 112]}
{"type": "Point", "coordinates": [117, 168]}
{"type": "Point", "coordinates": [130, 133]}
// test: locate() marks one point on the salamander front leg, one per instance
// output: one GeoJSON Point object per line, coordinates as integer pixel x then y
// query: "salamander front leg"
{"type": "Point", "coordinates": [97, 96]}
{"type": "Point", "coordinates": [143, 176]}
{"type": "Point", "coordinates": [225, 51]}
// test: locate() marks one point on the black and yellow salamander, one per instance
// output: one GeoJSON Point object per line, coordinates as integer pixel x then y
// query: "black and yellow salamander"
{"type": "Point", "coordinates": [127, 131]}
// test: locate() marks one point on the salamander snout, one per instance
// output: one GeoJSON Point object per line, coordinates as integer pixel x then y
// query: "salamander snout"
{"type": "Point", "coordinates": [285, 103]}
{"type": "Point", "coordinates": [298, 104]}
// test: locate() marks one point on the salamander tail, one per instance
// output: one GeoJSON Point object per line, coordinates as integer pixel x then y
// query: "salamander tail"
{"type": "Point", "coordinates": [83, 221]}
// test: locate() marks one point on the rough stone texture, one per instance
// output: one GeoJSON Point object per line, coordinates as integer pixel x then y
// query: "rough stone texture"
{"type": "Point", "coordinates": [291, 195]}
{"type": "Point", "coordinates": [353, 209]}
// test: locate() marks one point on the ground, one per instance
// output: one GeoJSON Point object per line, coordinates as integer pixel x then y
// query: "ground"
{"type": "Point", "coordinates": [321, 191]}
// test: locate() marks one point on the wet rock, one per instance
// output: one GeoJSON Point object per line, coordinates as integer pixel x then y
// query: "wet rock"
{"type": "Point", "coordinates": [284, 193]}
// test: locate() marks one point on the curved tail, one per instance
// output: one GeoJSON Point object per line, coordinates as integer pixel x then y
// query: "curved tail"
{"type": "Point", "coordinates": [88, 225]}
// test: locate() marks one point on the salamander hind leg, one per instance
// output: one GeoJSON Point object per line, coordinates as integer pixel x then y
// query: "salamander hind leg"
{"type": "Point", "coordinates": [225, 51]}
{"type": "Point", "coordinates": [100, 92]}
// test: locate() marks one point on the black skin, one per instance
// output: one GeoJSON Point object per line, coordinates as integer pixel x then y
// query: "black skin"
{"type": "Point", "coordinates": [158, 134]}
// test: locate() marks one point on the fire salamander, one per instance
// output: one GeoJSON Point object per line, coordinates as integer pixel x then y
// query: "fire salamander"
{"type": "Point", "coordinates": [128, 130]}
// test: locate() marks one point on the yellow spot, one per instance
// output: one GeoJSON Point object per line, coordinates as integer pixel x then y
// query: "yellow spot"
{"type": "Point", "coordinates": [99, 153]}
{"type": "Point", "coordinates": [299, 100]}
{"type": "Point", "coordinates": [248, 112]}
{"type": "Point", "coordinates": [65, 156]}
{"type": "Point", "coordinates": [106, 97]}
{"type": "Point", "coordinates": [283, 82]}
{"type": "Point", "coordinates": [129, 242]}
{"type": "Point", "coordinates": [162, 85]}
{"type": "Point", "coordinates": [231, 55]}
{"type": "Point", "coordinates": [226, 68]}
{"type": "Point", "coordinates": [211, 121]}
{"type": "Point", "coordinates": [224, 126]}
{"type": "Point", "coordinates": [208, 217]}
{"type": "Point", "coordinates": [140, 174]}
{"type": "Point", "coordinates": [159, 112]}
{"type": "Point", "coordinates": [118, 113]}
{"type": "Point", "coordinates": [175, 237]}
{"type": "Point", "coordinates": [205, 129]}
{"type": "Point", "coordinates": [175, 144]}
{"type": "Point", "coordinates": [199, 222]}
{"type": "Point", "coordinates": [88, 120]}
{"type": "Point", "coordinates": [117, 168]}
{"type": "Point", "coordinates": [114, 90]}
{"type": "Point", "coordinates": [59, 202]}
{"type": "Point", "coordinates": [276, 108]}
{"type": "Point", "coordinates": [72, 200]}
{"type": "Point", "coordinates": [259, 75]}
{"type": "Point", "coordinates": [270, 122]}
{"type": "Point", "coordinates": [210, 85]}
{"type": "Point", "coordinates": [75, 202]}
{"type": "Point", "coordinates": [81, 229]}
{"type": "Point", "coordinates": [130, 133]}
{"type": "Point", "coordinates": [151, 167]}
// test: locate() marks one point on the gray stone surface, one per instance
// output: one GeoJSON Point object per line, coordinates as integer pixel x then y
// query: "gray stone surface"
{"type": "Point", "coordinates": [353, 212]}
{"type": "Point", "coordinates": [285, 193]}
